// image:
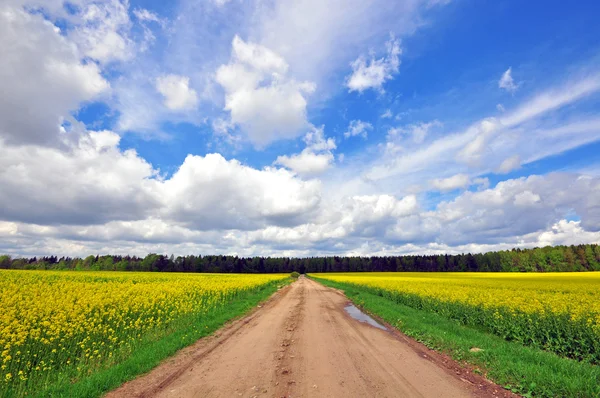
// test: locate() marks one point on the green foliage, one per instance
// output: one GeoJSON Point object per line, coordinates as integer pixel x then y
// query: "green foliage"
{"type": "Point", "coordinates": [5, 262]}
{"type": "Point", "coordinates": [295, 275]}
{"type": "Point", "coordinates": [544, 259]}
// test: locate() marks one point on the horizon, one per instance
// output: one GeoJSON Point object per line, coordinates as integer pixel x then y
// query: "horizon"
{"type": "Point", "coordinates": [169, 255]}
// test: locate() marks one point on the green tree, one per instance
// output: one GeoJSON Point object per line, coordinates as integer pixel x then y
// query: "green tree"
{"type": "Point", "coordinates": [5, 262]}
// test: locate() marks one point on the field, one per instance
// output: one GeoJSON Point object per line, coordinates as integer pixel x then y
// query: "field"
{"type": "Point", "coordinates": [557, 312]}
{"type": "Point", "coordinates": [60, 327]}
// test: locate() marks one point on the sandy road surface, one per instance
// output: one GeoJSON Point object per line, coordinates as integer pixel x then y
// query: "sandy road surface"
{"type": "Point", "coordinates": [302, 343]}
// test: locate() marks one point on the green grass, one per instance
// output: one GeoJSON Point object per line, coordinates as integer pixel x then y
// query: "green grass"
{"type": "Point", "coordinates": [524, 370]}
{"type": "Point", "coordinates": [150, 354]}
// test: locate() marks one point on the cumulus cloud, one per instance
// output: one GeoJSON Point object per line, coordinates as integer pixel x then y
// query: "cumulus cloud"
{"type": "Point", "coordinates": [211, 192]}
{"type": "Point", "coordinates": [358, 128]}
{"type": "Point", "coordinates": [507, 83]}
{"type": "Point", "coordinates": [102, 31]}
{"type": "Point", "coordinates": [267, 104]}
{"type": "Point", "coordinates": [567, 233]}
{"type": "Point", "coordinates": [520, 206]}
{"type": "Point", "coordinates": [177, 92]}
{"type": "Point", "coordinates": [373, 73]}
{"type": "Point", "coordinates": [315, 158]}
{"type": "Point", "coordinates": [43, 78]}
{"type": "Point", "coordinates": [91, 182]}
{"type": "Point", "coordinates": [95, 182]}
{"type": "Point", "coordinates": [451, 183]}
{"type": "Point", "coordinates": [306, 162]}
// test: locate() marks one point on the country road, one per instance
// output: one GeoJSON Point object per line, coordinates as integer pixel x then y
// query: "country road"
{"type": "Point", "coordinates": [302, 343]}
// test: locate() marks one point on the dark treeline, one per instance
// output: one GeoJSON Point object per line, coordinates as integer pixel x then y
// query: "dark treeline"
{"type": "Point", "coordinates": [546, 259]}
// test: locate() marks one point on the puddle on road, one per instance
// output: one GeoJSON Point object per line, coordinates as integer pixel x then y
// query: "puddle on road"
{"type": "Point", "coordinates": [362, 317]}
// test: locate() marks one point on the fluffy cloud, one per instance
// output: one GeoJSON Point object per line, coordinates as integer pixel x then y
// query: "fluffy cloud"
{"type": "Point", "coordinates": [177, 92]}
{"type": "Point", "coordinates": [91, 182]}
{"type": "Point", "coordinates": [306, 162]}
{"type": "Point", "coordinates": [520, 206]}
{"type": "Point", "coordinates": [95, 182]}
{"type": "Point", "coordinates": [315, 158]}
{"type": "Point", "coordinates": [567, 233]}
{"type": "Point", "coordinates": [212, 193]}
{"type": "Point", "coordinates": [358, 127]}
{"type": "Point", "coordinates": [260, 97]}
{"type": "Point", "coordinates": [507, 83]}
{"type": "Point", "coordinates": [451, 183]}
{"type": "Point", "coordinates": [43, 78]}
{"type": "Point", "coordinates": [373, 73]}
{"type": "Point", "coordinates": [101, 31]}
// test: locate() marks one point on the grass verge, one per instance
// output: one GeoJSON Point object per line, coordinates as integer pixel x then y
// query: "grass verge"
{"type": "Point", "coordinates": [148, 356]}
{"type": "Point", "coordinates": [524, 370]}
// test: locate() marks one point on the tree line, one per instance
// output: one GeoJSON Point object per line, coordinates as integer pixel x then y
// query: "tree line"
{"type": "Point", "coordinates": [544, 259]}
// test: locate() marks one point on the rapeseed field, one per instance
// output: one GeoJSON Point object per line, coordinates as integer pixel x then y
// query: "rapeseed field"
{"type": "Point", "coordinates": [57, 324]}
{"type": "Point", "coordinates": [558, 312]}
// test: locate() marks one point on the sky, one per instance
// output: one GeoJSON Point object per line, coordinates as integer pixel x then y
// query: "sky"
{"type": "Point", "coordinates": [298, 127]}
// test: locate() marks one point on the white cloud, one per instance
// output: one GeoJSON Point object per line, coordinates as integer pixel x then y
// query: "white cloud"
{"type": "Point", "coordinates": [509, 164]}
{"type": "Point", "coordinates": [567, 233]}
{"type": "Point", "coordinates": [418, 131]}
{"type": "Point", "coordinates": [500, 108]}
{"type": "Point", "coordinates": [144, 15]}
{"type": "Point", "coordinates": [42, 76]}
{"type": "Point", "coordinates": [481, 147]}
{"type": "Point", "coordinates": [315, 158]}
{"type": "Point", "coordinates": [526, 198]}
{"type": "Point", "coordinates": [212, 193]}
{"type": "Point", "coordinates": [358, 127]}
{"type": "Point", "coordinates": [451, 183]}
{"type": "Point", "coordinates": [553, 99]}
{"type": "Point", "coordinates": [387, 114]}
{"type": "Point", "coordinates": [91, 182]}
{"type": "Point", "coordinates": [102, 31]}
{"type": "Point", "coordinates": [94, 182]}
{"type": "Point", "coordinates": [507, 83]}
{"type": "Point", "coordinates": [333, 32]}
{"type": "Point", "coordinates": [306, 162]}
{"type": "Point", "coordinates": [481, 182]}
{"type": "Point", "coordinates": [520, 206]}
{"type": "Point", "coordinates": [473, 152]}
{"type": "Point", "coordinates": [177, 92]}
{"type": "Point", "coordinates": [373, 73]}
{"type": "Point", "coordinates": [315, 140]}
{"type": "Point", "coordinates": [267, 104]}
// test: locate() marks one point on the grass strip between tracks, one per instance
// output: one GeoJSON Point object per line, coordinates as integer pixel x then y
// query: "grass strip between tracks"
{"type": "Point", "coordinates": [524, 370]}
{"type": "Point", "coordinates": [148, 356]}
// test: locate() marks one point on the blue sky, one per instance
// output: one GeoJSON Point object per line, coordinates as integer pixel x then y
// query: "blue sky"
{"type": "Point", "coordinates": [298, 127]}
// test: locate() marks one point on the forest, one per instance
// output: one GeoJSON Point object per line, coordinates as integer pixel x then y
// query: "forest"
{"type": "Point", "coordinates": [544, 259]}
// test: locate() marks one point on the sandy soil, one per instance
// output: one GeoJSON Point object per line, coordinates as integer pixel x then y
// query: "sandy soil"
{"type": "Point", "coordinates": [302, 343]}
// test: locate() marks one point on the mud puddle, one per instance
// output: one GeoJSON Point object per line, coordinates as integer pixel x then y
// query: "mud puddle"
{"type": "Point", "coordinates": [362, 317]}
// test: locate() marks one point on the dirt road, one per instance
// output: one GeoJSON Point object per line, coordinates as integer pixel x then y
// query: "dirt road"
{"type": "Point", "coordinates": [302, 343]}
